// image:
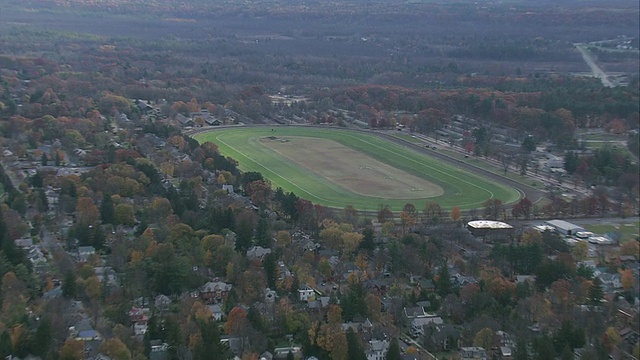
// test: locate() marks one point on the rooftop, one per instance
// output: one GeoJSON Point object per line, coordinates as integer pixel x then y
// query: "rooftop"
{"type": "Point", "coordinates": [488, 224]}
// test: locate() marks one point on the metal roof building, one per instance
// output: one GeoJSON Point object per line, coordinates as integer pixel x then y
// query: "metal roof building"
{"type": "Point", "coordinates": [565, 227]}
{"type": "Point", "coordinates": [490, 230]}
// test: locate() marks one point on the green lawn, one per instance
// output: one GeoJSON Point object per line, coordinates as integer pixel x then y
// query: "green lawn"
{"type": "Point", "coordinates": [461, 188]}
{"type": "Point", "coordinates": [494, 169]}
{"type": "Point", "coordinates": [628, 231]}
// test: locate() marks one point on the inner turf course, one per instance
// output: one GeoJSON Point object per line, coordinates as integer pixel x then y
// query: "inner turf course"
{"type": "Point", "coordinates": [351, 169]}
{"type": "Point", "coordinates": [336, 168]}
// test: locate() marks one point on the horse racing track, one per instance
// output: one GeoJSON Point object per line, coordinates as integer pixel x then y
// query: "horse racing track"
{"type": "Point", "coordinates": [337, 167]}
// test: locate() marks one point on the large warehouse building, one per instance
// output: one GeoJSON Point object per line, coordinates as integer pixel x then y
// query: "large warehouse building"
{"type": "Point", "coordinates": [564, 227]}
{"type": "Point", "coordinates": [490, 230]}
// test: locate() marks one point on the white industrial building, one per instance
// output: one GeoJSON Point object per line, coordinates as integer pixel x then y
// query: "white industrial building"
{"type": "Point", "coordinates": [564, 227]}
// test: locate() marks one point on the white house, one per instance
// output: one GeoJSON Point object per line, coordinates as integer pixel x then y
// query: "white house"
{"type": "Point", "coordinates": [140, 328]}
{"type": "Point", "coordinates": [377, 349]}
{"type": "Point", "coordinates": [417, 324]}
{"type": "Point", "coordinates": [306, 293]}
{"type": "Point", "coordinates": [216, 311]}
{"type": "Point", "coordinates": [473, 353]}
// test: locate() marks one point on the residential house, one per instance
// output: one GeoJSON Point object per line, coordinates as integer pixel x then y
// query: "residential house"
{"type": "Point", "coordinates": [143, 106]}
{"type": "Point", "coordinates": [531, 279]}
{"type": "Point", "coordinates": [266, 356]}
{"type": "Point", "coordinates": [417, 324]}
{"type": "Point", "coordinates": [212, 121]}
{"type": "Point", "coordinates": [106, 275]}
{"type": "Point", "coordinates": [159, 350]}
{"type": "Point", "coordinates": [215, 292]}
{"type": "Point", "coordinates": [282, 352]}
{"type": "Point", "coordinates": [184, 121]}
{"type": "Point", "coordinates": [442, 337]}
{"type": "Point", "coordinates": [504, 339]}
{"type": "Point", "coordinates": [162, 302]}
{"type": "Point", "coordinates": [367, 326]}
{"type": "Point", "coordinates": [461, 279]}
{"type": "Point", "coordinates": [306, 293]}
{"type": "Point", "coordinates": [257, 253]}
{"type": "Point", "coordinates": [53, 196]}
{"type": "Point", "coordinates": [506, 353]}
{"type": "Point", "coordinates": [321, 303]}
{"type": "Point", "coordinates": [87, 335]}
{"type": "Point", "coordinates": [216, 311]}
{"type": "Point", "coordinates": [354, 326]}
{"type": "Point", "coordinates": [137, 314]}
{"type": "Point", "coordinates": [24, 243]}
{"type": "Point", "coordinates": [610, 282]}
{"type": "Point", "coordinates": [379, 287]}
{"type": "Point", "coordinates": [270, 295]}
{"type": "Point", "coordinates": [473, 353]}
{"type": "Point", "coordinates": [283, 271]}
{"type": "Point", "coordinates": [237, 344]}
{"type": "Point", "coordinates": [414, 312]}
{"type": "Point", "coordinates": [84, 252]}
{"type": "Point", "coordinates": [140, 328]}
{"type": "Point", "coordinates": [377, 349]}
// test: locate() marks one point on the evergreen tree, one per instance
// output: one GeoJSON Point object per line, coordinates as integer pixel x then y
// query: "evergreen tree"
{"type": "Point", "coordinates": [209, 347]}
{"type": "Point", "coordinates": [107, 210]}
{"type": "Point", "coordinates": [42, 339]}
{"type": "Point", "coordinates": [353, 303]}
{"type": "Point", "coordinates": [521, 352]}
{"type": "Point", "coordinates": [69, 287]}
{"type": "Point", "coordinates": [571, 162]}
{"type": "Point", "coordinates": [354, 349]}
{"type": "Point", "coordinates": [368, 239]}
{"type": "Point", "coordinates": [444, 285]}
{"type": "Point", "coordinates": [393, 353]}
{"type": "Point", "coordinates": [5, 344]}
{"type": "Point", "coordinates": [567, 354]}
{"type": "Point", "coordinates": [11, 251]}
{"type": "Point", "coordinates": [595, 292]}
{"type": "Point", "coordinates": [263, 233]}
{"type": "Point", "coordinates": [529, 144]}
{"type": "Point", "coordinates": [270, 265]}
{"type": "Point", "coordinates": [244, 236]}
{"type": "Point", "coordinates": [231, 301]}
{"type": "Point", "coordinates": [543, 348]}
{"type": "Point", "coordinates": [36, 180]}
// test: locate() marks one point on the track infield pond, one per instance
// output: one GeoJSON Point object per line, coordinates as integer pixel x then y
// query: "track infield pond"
{"type": "Point", "coordinates": [336, 168]}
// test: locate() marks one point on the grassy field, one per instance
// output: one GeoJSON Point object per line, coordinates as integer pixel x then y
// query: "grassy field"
{"type": "Point", "coordinates": [316, 177]}
{"type": "Point", "coordinates": [445, 149]}
{"type": "Point", "coordinates": [627, 232]}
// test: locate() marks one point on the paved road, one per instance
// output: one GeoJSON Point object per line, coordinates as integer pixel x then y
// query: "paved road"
{"type": "Point", "coordinates": [595, 69]}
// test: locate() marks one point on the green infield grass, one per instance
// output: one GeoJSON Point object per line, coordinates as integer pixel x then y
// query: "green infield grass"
{"type": "Point", "coordinates": [336, 168]}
